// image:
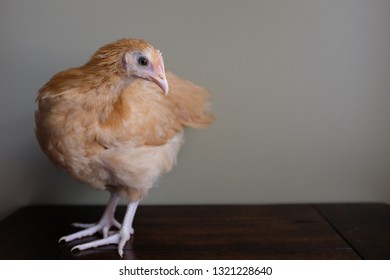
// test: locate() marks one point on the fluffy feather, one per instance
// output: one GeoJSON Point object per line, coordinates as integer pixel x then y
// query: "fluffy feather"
{"type": "Point", "coordinates": [107, 131]}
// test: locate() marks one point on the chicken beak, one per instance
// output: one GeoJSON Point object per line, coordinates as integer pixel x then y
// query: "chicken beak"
{"type": "Point", "coordinates": [161, 81]}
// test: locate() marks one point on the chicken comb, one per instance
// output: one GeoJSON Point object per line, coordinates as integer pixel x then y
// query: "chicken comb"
{"type": "Point", "coordinates": [160, 56]}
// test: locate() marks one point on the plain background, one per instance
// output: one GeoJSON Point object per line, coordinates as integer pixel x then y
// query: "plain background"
{"type": "Point", "coordinates": [301, 94]}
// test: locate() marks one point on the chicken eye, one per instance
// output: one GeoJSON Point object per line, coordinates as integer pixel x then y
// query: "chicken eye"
{"type": "Point", "coordinates": [143, 61]}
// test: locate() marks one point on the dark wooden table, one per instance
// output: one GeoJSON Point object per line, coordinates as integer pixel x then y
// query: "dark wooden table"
{"type": "Point", "coordinates": [320, 231]}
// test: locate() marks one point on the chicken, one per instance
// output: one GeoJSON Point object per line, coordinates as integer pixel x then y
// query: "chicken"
{"type": "Point", "coordinates": [111, 124]}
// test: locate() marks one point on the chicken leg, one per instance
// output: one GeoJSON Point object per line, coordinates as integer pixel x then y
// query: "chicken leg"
{"type": "Point", "coordinates": [103, 226]}
{"type": "Point", "coordinates": [121, 237]}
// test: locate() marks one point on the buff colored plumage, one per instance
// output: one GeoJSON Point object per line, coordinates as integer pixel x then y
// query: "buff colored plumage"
{"type": "Point", "coordinates": [109, 124]}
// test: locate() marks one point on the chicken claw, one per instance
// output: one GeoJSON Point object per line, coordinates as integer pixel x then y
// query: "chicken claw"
{"type": "Point", "coordinates": [120, 238]}
{"type": "Point", "coordinates": [106, 222]}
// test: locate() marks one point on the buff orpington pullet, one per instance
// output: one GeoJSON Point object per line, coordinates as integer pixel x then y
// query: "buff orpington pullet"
{"type": "Point", "coordinates": [116, 123]}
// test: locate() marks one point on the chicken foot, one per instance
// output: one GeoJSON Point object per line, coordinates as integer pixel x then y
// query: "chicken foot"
{"type": "Point", "coordinates": [103, 226]}
{"type": "Point", "coordinates": [120, 237]}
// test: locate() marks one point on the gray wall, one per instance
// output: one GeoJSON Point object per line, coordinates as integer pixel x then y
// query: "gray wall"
{"type": "Point", "coordinates": [301, 92]}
